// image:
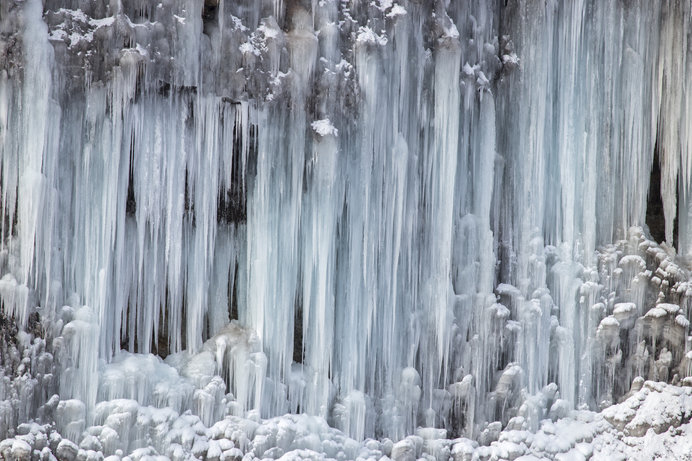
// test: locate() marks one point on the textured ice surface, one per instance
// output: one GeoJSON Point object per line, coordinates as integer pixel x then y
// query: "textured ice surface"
{"type": "Point", "coordinates": [652, 423]}
{"type": "Point", "coordinates": [383, 216]}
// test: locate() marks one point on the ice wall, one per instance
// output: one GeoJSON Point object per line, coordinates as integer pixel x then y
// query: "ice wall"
{"type": "Point", "coordinates": [418, 213]}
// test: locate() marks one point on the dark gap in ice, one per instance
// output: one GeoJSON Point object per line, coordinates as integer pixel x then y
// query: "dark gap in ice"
{"type": "Point", "coordinates": [206, 327]}
{"type": "Point", "coordinates": [183, 330]}
{"type": "Point", "coordinates": [161, 347]}
{"type": "Point", "coordinates": [141, 88]}
{"type": "Point", "coordinates": [675, 220]}
{"type": "Point", "coordinates": [233, 296]}
{"type": "Point", "coordinates": [131, 202]}
{"type": "Point", "coordinates": [655, 218]}
{"type": "Point", "coordinates": [7, 224]}
{"type": "Point", "coordinates": [6, 218]}
{"type": "Point", "coordinates": [298, 330]}
{"type": "Point", "coordinates": [232, 205]}
{"type": "Point", "coordinates": [189, 204]}
{"type": "Point", "coordinates": [654, 205]}
{"type": "Point", "coordinates": [166, 89]}
{"type": "Point", "coordinates": [127, 343]}
{"type": "Point", "coordinates": [251, 161]}
{"type": "Point", "coordinates": [622, 385]}
{"type": "Point", "coordinates": [210, 12]}
{"type": "Point", "coordinates": [457, 418]}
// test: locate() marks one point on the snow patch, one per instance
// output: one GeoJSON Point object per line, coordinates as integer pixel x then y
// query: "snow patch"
{"type": "Point", "coordinates": [324, 127]}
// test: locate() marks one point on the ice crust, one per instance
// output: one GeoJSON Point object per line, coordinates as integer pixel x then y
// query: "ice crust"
{"type": "Point", "coordinates": [342, 221]}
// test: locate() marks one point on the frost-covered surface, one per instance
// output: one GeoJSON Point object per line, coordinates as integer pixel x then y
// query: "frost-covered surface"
{"type": "Point", "coordinates": [324, 127]}
{"type": "Point", "coordinates": [380, 215]}
{"type": "Point", "coordinates": [652, 423]}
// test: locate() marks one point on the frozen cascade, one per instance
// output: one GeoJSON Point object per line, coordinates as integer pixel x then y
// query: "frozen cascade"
{"type": "Point", "coordinates": [392, 216]}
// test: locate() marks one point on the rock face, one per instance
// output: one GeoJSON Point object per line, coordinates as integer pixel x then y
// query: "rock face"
{"type": "Point", "coordinates": [410, 220]}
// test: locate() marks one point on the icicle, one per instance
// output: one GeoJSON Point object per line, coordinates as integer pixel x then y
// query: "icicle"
{"type": "Point", "coordinates": [35, 93]}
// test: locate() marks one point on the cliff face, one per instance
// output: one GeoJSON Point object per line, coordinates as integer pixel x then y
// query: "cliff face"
{"type": "Point", "coordinates": [389, 215]}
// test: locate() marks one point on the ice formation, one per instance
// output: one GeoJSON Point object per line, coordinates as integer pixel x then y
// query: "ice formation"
{"type": "Point", "coordinates": [344, 228]}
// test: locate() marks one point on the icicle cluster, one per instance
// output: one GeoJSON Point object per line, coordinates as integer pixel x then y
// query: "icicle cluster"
{"type": "Point", "coordinates": [387, 214]}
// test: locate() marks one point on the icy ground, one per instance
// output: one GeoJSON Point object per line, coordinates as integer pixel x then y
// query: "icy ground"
{"type": "Point", "coordinates": [652, 423]}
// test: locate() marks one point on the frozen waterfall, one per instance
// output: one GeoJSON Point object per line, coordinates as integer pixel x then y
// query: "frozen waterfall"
{"type": "Point", "coordinates": [391, 215]}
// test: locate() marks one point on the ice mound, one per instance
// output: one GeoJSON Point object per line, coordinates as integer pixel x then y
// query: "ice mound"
{"type": "Point", "coordinates": [653, 422]}
{"type": "Point", "coordinates": [231, 360]}
{"type": "Point", "coordinates": [654, 406]}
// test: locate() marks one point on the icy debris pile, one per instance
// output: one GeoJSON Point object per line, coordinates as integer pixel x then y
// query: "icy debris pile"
{"type": "Point", "coordinates": [229, 361]}
{"type": "Point", "coordinates": [638, 324]}
{"type": "Point", "coordinates": [651, 405]}
{"type": "Point", "coordinates": [28, 375]}
{"type": "Point", "coordinates": [653, 422]}
{"type": "Point", "coordinates": [386, 214]}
